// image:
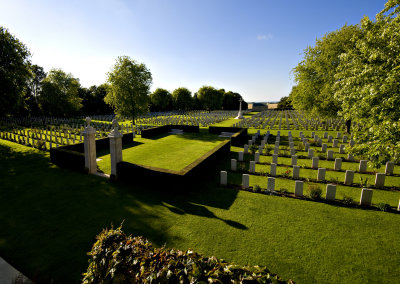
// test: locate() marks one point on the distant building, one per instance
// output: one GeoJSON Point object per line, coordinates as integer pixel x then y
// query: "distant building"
{"type": "Point", "coordinates": [258, 106]}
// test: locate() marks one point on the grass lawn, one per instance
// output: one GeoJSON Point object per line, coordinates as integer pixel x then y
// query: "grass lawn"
{"type": "Point", "coordinates": [49, 218]}
{"type": "Point", "coordinates": [167, 151]}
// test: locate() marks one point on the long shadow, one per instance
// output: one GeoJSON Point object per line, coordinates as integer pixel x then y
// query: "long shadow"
{"type": "Point", "coordinates": [49, 217]}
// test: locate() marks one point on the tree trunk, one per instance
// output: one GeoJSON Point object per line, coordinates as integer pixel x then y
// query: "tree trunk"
{"type": "Point", "coordinates": [348, 125]}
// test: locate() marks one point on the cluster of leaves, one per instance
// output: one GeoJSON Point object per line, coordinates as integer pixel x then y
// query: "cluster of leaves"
{"type": "Point", "coordinates": [314, 191]}
{"type": "Point", "coordinates": [287, 172]}
{"type": "Point", "coordinates": [118, 258]}
{"type": "Point", "coordinates": [354, 72]}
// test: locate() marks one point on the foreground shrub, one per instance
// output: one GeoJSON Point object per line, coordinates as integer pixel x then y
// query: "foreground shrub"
{"type": "Point", "coordinates": [314, 191]}
{"type": "Point", "coordinates": [118, 258]}
{"type": "Point", "coordinates": [384, 207]}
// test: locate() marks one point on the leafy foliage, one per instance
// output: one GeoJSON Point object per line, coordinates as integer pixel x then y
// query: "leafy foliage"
{"type": "Point", "coordinates": [182, 99]}
{"type": "Point", "coordinates": [210, 98]}
{"type": "Point", "coordinates": [161, 100]}
{"type": "Point", "coordinates": [314, 191]}
{"type": "Point", "coordinates": [118, 258]}
{"type": "Point", "coordinates": [285, 103]}
{"type": "Point", "coordinates": [128, 87]}
{"type": "Point", "coordinates": [59, 95]}
{"type": "Point", "coordinates": [14, 72]}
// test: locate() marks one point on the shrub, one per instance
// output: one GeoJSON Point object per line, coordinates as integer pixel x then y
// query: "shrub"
{"type": "Point", "coordinates": [284, 191]}
{"type": "Point", "coordinates": [118, 258]}
{"type": "Point", "coordinates": [253, 148]}
{"type": "Point", "coordinates": [257, 188]}
{"type": "Point", "coordinates": [314, 191]}
{"type": "Point", "coordinates": [347, 200]}
{"type": "Point", "coordinates": [287, 172]}
{"type": "Point", "coordinates": [384, 207]}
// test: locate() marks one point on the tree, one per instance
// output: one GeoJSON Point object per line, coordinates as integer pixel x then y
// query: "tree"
{"type": "Point", "coordinates": [285, 103]}
{"type": "Point", "coordinates": [210, 98]}
{"type": "Point", "coordinates": [161, 100]}
{"type": "Point", "coordinates": [315, 74]}
{"type": "Point", "coordinates": [34, 89]}
{"type": "Point", "coordinates": [182, 98]}
{"type": "Point", "coordinates": [14, 72]}
{"type": "Point", "coordinates": [367, 85]}
{"type": "Point", "coordinates": [93, 100]}
{"type": "Point", "coordinates": [128, 87]}
{"type": "Point", "coordinates": [231, 101]}
{"type": "Point", "coordinates": [59, 95]}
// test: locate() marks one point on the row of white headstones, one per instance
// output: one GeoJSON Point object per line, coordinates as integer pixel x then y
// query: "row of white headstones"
{"type": "Point", "coordinates": [366, 193]}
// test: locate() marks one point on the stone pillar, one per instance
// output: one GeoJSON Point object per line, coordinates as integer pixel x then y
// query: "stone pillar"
{"type": "Point", "coordinates": [245, 181]}
{"type": "Point", "coordinates": [273, 170]}
{"type": "Point", "coordinates": [348, 178]}
{"type": "Point", "coordinates": [321, 174]}
{"type": "Point", "coordinates": [233, 165]}
{"type": "Point", "coordinates": [298, 188]}
{"type": "Point", "coordinates": [224, 178]}
{"type": "Point", "coordinates": [330, 192]}
{"type": "Point", "coordinates": [271, 183]}
{"type": "Point", "coordinates": [389, 168]}
{"type": "Point", "coordinates": [296, 172]}
{"type": "Point", "coordinates": [380, 180]}
{"type": "Point", "coordinates": [338, 164]}
{"type": "Point", "coordinates": [115, 147]}
{"type": "Point", "coordinates": [366, 197]}
{"type": "Point", "coordinates": [90, 147]}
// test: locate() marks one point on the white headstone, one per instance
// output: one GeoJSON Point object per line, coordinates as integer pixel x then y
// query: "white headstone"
{"type": "Point", "coordinates": [321, 174]}
{"type": "Point", "coordinates": [240, 156]}
{"type": "Point", "coordinates": [233, 165]}
{"type": "Point", "coordinates": [348, 178]}
{"type": "Point", "coordinates": [296, 172]}
{"type": "Point", "coordinates": [389, 168]}
{"type": "Point", "coordinates": [366, 197]}
{"type": "Point", "coordinates": [294, 160]}
{"type": "Point", "coordinates": [315, 161]}
{"type": "Point", "coordinates": [338, 164]}
{"type": "Point", "coordinates": [271, 183]}
{"type": "Point", "coordinates": [363, 166]}
{"type": "Point", "coordinates": [252, 167]}
{"type": "Point", "coordinates": [298, 188]}
{"type": "Point", "coordinates": [275, 158]}
{"type": "Point", "coordinates": [245, 181]}
{"type": "Point", "coordinates": [310, 153]}
{"type": "Point", "coordinates": [330, 192]}
{"type": "Point", "coordinates": [329, 155]}
{"type": "Point", "coordinates": [273, 170]}
{"type": "Point", "coordinates": [380, 180]}
{"type": "Point", "coordinates": [224, 178]}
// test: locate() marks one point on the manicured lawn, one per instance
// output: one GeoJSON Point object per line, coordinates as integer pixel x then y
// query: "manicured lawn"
{"type": "Point", "coordinates": [173, 152]}
{"type": "Point", "coordinates": [49, 218]}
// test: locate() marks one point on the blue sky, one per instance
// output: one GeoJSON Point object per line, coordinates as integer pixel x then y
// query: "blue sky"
{"type": "Point", "coordinates": [249, 47]}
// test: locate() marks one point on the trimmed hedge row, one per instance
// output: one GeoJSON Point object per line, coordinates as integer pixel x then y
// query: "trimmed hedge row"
{"type": "Point", "coordinates": [240, 137]}
{"type": "Point", "coordinates": [71, 156]}
{"type": "Point", "coordinates": [118, 258]}
{"type": "Point", "coordinates": [69, 159]}
{"type": "Point", "coordinates": [157, 177]}
{"type": "Point", "coordinates": [151, 132]}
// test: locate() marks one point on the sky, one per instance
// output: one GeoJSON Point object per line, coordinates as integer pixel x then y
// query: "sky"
{"type": "Point", "coordinates": [244, 46]}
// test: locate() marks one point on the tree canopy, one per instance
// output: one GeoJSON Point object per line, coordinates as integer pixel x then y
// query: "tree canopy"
{"type": "Point", "coordinates": [161, 100]}
{"type": "Point", "coordinates": [210, 98]}
{"type": "Point", "coordinates": [14, 72]}
{"type": "Point", "coordinates": [182, 99]}
{"type": "Point", "coordinates": [285, 103]}
{"type": "Point", "coordinates": [128, 87]}
{"type": "Point", "coordinates": [59, 95]}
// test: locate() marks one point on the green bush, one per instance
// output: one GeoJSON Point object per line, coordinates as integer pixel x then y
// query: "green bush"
{"type": "Point", "coordinates": [384, 207]}
{"type": "Point", "coordinates": [314, 191]}
{"type": "Point", "coordinates": [257, 188]}
{"type": "Point", "coordinates": [118, 258]}
{"type": "Point", "coordinates": [347, 200]}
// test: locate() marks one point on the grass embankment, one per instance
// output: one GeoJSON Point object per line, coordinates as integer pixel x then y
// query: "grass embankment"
{"type": "Point", "coordinates": [49, 218]}
{"type": "Point", "coordinates": [167, 151]}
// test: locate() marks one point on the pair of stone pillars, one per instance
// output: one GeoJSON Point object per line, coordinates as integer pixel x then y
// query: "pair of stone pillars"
{"type": "Point", "coordinates": [90, 147]}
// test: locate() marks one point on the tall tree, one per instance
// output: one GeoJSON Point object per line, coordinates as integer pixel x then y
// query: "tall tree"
{"type": "Point", "coordinates": [59, 95]}
{"type": "Point", "coordinates": [34, 89]}
{"type": "Point", "coordinates": [231, 101]}
{"type": "Point", "coordinates": [367, 85]}
{"type": "Point", "coordinates": [128, 87]}
{"type": "Point", "coordinates": [161, 100]}
{"type": "Point", "coordinates": [210, 98]}
{"type": "Point", "coordinates": [14, 72]}
{"type": "Point", "coordinates": [315, 74]}
{"type": "Point", "coordinates": [182, 99]}
{"type": "Point", "coordinates": [285, 103]}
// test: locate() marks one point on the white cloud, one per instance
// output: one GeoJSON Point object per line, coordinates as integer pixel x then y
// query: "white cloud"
{"type": "Point", "coordinates": [265, 37]}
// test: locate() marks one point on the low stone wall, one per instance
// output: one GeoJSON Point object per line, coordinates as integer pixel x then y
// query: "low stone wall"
{"type": "Point", "coordinates": [157, 177]}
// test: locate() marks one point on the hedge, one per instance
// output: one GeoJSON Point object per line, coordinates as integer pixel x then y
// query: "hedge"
{"type": "Point", "coordinates": [118, 258]}
{"type": "Point", "coordinates": [238, 139]}
{"type": "Point", "coordinates": [151, 132]}
{"type": "Point", "coordinates": [157, 177]}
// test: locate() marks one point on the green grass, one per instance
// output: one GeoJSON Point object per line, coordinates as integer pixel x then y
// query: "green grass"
{"type": "Point", "coordinates": [49, 218]}
{"type": "Point", "coordinates": [173, 152]}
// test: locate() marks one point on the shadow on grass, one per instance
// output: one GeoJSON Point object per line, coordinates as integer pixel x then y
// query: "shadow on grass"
{"type": "Point", "coordinates": [49, 217]}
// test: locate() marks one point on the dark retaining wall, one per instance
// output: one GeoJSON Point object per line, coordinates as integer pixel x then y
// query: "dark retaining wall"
{"type": "Point", "coordinates": [240, 137]}
{"type": "Point", "coordinates": [159, 178]}
{"type": "Point", "coordinates": [70, 156]}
